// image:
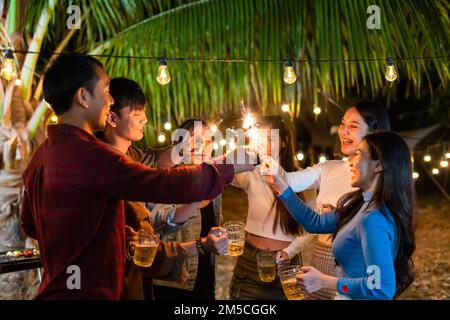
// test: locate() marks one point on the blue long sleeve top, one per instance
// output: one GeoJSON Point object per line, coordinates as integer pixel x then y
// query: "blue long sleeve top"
{"type": "Point", "coordinates": [364, 247]}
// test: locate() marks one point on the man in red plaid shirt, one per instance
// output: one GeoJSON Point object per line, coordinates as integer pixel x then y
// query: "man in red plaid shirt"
{"type": "Point", "coordinates": [74, 186]}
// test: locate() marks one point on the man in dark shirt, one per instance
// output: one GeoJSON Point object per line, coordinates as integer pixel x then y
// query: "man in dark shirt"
{"type": "Point", "coordinates": [74, 186]}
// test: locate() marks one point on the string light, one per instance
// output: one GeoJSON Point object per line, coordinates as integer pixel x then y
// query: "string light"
{"type": "Point", "coordinates": [427, 158]}
{"type": "Point", "coordinates": [322, 159]}
{"type": "Point", "coordinates": [167, 126]}
{"type": "Point", "coordinates": [415, 175]}
{"type": "Point", "coordinates": [223, 142]}
{"type": "Point", "coordinates": [447, 155]}
{"type": "Point", "coordinates": [161, 138]}
{"type": "Point", "coordinates": [317, 110]}
{"type": "Point", "coordinates": [391, 72]}
{"type": "Point", "coordinates": [18, 82]}
{"type": "Point", "coordinates": [215, 146]}
{"type": "Point", "coordinates": [300, 156]}
{"type": "Point", "coordinates": [285, 108]}
{"type": "Point", "coordinates": [444, 163]}
{"type": "Point", "coordinates": [435, 171]}
{"type": "Point", "coordinates": [54, 119]}
{"type": "Point", "coordinates": [9, 68]}
{"type": "Point", "coordinates": [289, 73]}
{"type": "Point", "coordinates": [163, 76]}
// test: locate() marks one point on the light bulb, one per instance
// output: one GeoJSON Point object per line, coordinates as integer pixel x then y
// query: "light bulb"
{"type": "Point", "coordinates": [447, 155]}
{"type": "Point", "coordinates": [18, 82]}
{"type": "Point", "coordinates": [435, 171]}
{"type": "Point", "coordinates": [391, 72]}
{"type": "Point", "coordinates": [163, 76]}
{"type": "Point", "coordinates": [415, 175]}
{"type": "Point", "coordinates": [444, 163]}
{"type": "Point", "coordinates": [223, 142]}
{"type": "Point", "coordinates": [215, 146]}
{"type": "Point", "coordinates": [300, 156]}
{"type": "Point", "coordinates": [289, 73]}
{"type": "Point", "coordinates": [322, 159]}
{"type": "Point", "coordinates": [317, 110]}
{"type": "Point", "coordinates": [9, 68]}
{"type": "Point", "coordinates": [427, 158]}
{"type": "Point", "coordinates": [54, 119]}
{"type": "Point", "coordinates": [285, 108]}
{"type": "Point", "coordinates": [167, 126]}
{"type": "Point", "coordinates": [161, 138]}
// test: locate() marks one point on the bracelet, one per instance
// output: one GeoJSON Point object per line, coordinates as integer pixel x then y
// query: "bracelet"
{"type": "Point", "coordinates": [200, 247]}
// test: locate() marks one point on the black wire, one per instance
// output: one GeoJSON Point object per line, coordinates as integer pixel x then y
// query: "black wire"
{"type": "Point", "coordinates": [237, 60]}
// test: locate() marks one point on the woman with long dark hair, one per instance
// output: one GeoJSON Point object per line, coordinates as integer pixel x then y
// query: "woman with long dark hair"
{"type": "Point", "coordinates": [373, 226]}
{"type": "Point", "coordinates": [269, 227]}
{"type": "Point", "coordinates": [332, 179]}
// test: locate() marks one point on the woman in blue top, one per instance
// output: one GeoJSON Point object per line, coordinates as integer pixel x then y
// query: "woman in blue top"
{"type": "Point", "coordinates": [373, 226]}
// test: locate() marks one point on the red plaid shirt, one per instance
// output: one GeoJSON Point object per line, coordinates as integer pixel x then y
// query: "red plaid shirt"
{"type": "Point", "coordinates": [72, 205]}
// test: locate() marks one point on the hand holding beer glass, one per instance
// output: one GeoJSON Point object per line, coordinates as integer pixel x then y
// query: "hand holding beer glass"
{"type": "Point", "coordinates": [289, 282]}
{"type": "Point", "coordinates": [144, 250]}
{"type": "Point", "coordinates": [236, 237]}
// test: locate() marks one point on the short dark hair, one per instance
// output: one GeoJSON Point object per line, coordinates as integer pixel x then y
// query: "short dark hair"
{"type": "Point", "coordinates": [65, 76]}
{"type": "Point", "coordinates": [126, 93]}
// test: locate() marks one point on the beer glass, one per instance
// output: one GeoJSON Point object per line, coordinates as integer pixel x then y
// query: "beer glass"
{"type": "Point", "coordinates": [289, 282]}
{"type": "Point", "coordinates": [236, 237]}
{"type": "Point", "coordinates": [266, 265]}
{"type": "Point", "coordinates": [144, 250]}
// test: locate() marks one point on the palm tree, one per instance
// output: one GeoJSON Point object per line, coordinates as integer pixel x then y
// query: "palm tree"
{"type": "Point", "coordinates": [325, 36]}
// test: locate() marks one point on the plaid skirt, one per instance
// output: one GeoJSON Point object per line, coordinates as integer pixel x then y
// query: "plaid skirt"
{"type": "Point", "coordinates": [323, 260]}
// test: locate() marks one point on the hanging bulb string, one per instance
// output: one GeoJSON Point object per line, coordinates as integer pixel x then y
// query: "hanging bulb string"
{"type": "Point", "coordinates": [238, 60]}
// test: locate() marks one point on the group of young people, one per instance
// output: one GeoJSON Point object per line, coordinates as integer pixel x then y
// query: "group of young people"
{"type": "Point", "coordinates": [88, 191]}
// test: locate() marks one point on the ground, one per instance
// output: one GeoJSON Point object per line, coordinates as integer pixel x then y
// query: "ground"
{"type": "Point", "coordinates": [431, 258]}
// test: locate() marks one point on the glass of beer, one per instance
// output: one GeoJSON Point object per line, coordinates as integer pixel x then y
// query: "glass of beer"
{"type": "Point", "coordinates": [236, 237]}
{"type": "Point", "coordinates": [289, 282]}
{"type": "Point", "coordinates": [266, 265]}
{"type": "Point", "coordinates": [144, 250]}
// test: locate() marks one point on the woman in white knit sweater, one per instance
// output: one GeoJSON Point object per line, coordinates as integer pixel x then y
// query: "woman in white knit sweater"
{"type": "Point", "coordinates": [332, 178]}
{"type": "Point", "coordinates": [269, 226]}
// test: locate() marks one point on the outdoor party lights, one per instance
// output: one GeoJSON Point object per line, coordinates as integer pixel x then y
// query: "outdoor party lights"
{"type": "Point", "coordinates": [447, 155]}
{"type": "Point", "coordinates": [285, 108]}
{"type": "Point", "coordinates": [9, 68]}
{"type": "Point", "coordinates": [167, 126]}
{"type": "Point", "coordinates": [18, 82]}
{"type": "Point", "coordinates": [415, 175]}
{"type": "Point", "coordinates": [161, 138]}
{"type": "Point", "coordinates": [391, 73]}
{"type": "Point", "coordinates": [223, 142]}
{"type": "Point", "coordinates": [54, 119]}
{"type": "Point", "coordinates": [300, 156]}
{"type": "Point", "coordinates": [317, 110]}
{"type": "Point", "coordinates": [163, 76]}
{"type": "Point", "coordinates": [289, 73]}
{"type": "Point", "coordinates": [322, 159]}
{"type": "Point", "coordinates": [435, 171]}
{"type": "Point", "coordinates": [215, 146]}
{"type": "Point", "coordinates": [427, 158]}
{"type": "Point", "coordinates": [444, 163]}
